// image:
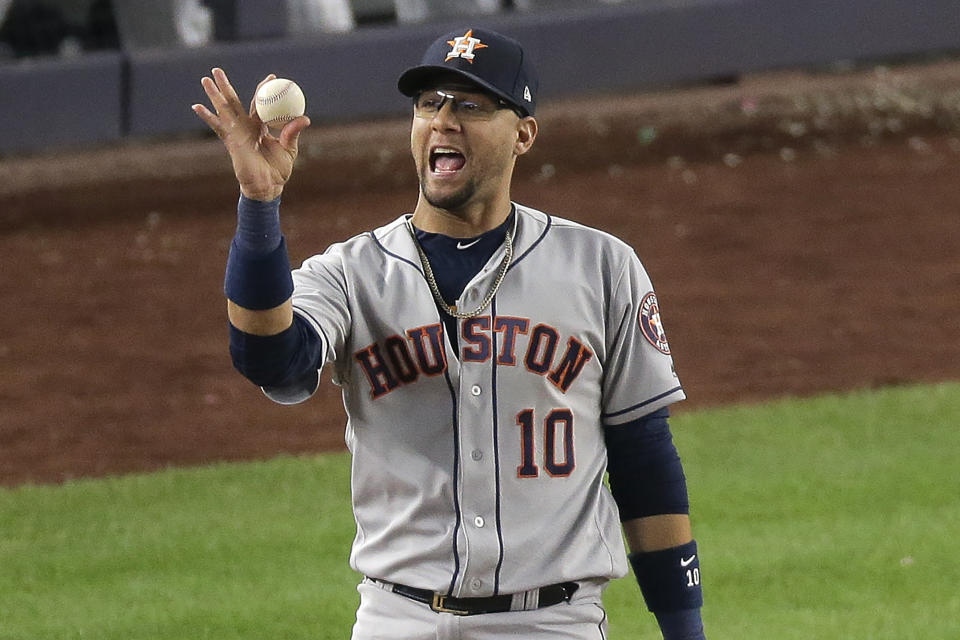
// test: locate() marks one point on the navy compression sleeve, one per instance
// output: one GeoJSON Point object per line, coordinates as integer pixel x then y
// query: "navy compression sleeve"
{"type": "Point", "coordinates": [646, 476]}
{"type": "Point", "coordinates": [280, 360]}
{"type": "Point", "coordinates": [647, 479]}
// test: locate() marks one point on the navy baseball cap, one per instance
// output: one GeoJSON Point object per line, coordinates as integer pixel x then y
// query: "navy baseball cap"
{"type": "Point", "coordinates": [491, 60]}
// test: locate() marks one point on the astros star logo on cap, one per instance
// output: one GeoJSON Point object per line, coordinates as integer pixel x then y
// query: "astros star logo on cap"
{"type": "Point", "coordinates": [464, 46]}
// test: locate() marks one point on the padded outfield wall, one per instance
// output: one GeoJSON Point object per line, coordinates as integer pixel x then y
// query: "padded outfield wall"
{"type": "Point", "coordinates": [103, 98]}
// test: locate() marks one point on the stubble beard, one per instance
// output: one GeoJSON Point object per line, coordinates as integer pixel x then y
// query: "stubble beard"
{"type": "Point", "coordinates": [452, 201]}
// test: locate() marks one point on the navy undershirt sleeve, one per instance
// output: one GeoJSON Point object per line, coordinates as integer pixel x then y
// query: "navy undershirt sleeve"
{"type": "Point", "coordinates": [280, 360]}
{"type": "Point", "coordinates": [646, 475]}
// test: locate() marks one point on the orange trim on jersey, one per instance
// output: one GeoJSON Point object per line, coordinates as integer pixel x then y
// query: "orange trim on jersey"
{"type": "Point", "coordinates": [482, 340]}
{"type": "Point", "coordinates": [533, 347]}
{"type": "Point", "coordinates": [528, 445]}
{"type": "Point", "coordinates": [550, 445]}
{"type": "Point", "coordinates": [571, 364]}
{"type": "Point", "coordinates": [374, 370]}
{"type": "Point", "coordinates": [407, 371]}
{"type": "Point", "coordinates": [510, 326]}
{"type": "Point", "coordinates": [434, 332]}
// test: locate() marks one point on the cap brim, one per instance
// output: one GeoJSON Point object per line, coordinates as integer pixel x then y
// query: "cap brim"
{"type": "Point", "coordinates": [414, 79]}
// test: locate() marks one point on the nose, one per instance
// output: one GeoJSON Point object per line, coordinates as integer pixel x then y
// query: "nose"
{"type": "Point", "coordinates": [446, 117]}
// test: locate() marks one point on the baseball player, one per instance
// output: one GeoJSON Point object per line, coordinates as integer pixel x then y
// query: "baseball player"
{"type": "Point", "coordinates": [496, 362]}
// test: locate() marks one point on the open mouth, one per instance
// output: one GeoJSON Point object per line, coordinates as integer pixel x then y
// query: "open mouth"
{"type": "Point", "coordinates": [446, 161]}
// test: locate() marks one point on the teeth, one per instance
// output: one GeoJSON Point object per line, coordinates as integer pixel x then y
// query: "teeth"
{"type": "Point", "coordinates": [445, 150]}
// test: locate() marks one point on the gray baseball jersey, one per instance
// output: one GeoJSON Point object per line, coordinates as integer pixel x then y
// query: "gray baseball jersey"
{"type": "Point", "coordinates": [480, 471]}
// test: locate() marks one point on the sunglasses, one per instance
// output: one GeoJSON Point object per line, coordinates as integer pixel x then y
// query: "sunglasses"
{"type": "Point", "coordinates": [466, 106]}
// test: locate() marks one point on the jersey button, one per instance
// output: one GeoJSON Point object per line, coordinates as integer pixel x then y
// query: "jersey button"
{"type": "Point", "coordinates": [476, 583]}
{"type": "Point", "coordinates": [476, 454]}
{"type": "Point", "coordinates": [475, 389]}
{"type": "Point", "coordinates": [478, 521]}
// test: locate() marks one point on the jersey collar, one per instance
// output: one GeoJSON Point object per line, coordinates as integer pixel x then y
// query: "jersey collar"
{"type": "Point", "coordinates": [530, 227]}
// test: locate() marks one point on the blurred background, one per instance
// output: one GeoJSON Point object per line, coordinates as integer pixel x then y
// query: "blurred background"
{"type": "Point", "coordinates": [786, 170]}
{"type": "Point", "coordinates": [127, 67]}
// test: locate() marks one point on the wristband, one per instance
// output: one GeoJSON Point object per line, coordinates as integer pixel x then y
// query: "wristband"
{"type": "Point", "coordinates": [669, 579]}
{"type": "Point", "coordinates": [258, 282]}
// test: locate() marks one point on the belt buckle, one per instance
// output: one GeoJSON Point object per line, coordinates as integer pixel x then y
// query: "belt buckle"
{"type": "Point", "coordinates": [439, 605]}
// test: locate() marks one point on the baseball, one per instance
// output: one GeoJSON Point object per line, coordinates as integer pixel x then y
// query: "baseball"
{"type": "Point", "coordinates": [279, 101]}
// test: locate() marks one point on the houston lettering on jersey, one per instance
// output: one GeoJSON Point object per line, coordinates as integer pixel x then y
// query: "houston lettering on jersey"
{"type": "Point", "coordinates": [399, 361]}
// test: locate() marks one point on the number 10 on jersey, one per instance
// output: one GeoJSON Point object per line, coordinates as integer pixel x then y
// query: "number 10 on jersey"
{"type": "Point", "coordinates": [557, 428]}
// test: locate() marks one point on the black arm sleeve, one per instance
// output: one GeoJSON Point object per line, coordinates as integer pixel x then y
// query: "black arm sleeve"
{"type": "Point", "coordinates": [646, 476]}
{"type": "Point", "coordinates": [279, 360]}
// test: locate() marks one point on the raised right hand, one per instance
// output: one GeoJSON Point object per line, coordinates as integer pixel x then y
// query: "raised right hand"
{"type": "Point", "coordinates": [262, 162]}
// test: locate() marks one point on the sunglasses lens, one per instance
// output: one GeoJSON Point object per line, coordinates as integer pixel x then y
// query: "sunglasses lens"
{"type": "Point", "coordinates": [466, 106]}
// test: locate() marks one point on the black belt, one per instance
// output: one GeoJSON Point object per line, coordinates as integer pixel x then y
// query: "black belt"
{"type": "Point", "coordinates": [549, 596]}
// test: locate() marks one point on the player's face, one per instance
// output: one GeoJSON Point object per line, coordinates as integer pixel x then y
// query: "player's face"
{"type": "Point", "coordinates": [464, 143]}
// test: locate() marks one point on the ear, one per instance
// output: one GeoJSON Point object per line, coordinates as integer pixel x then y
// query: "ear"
{"type": "Point", "coordinates": [526, 134]}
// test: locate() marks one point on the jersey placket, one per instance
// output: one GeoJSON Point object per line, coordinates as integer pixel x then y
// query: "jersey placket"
{"type": "Point", "coordinates": [479, 486]}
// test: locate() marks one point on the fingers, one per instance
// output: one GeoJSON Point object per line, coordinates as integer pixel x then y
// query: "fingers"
{"type": "Point", "coordinates": [253, 100]}
{"type": "Point", "coordinates": [226, 104]}
{"type": "Point", "coordinates": [290, 134]}
{"type": "Point", "coordinates": [212, 121]}
{"type": "Point", "coordinates": [215, 95]}
{"type": "Point", "coordinates": [221, 93]}
{"type": "Point", "coordinates": [227, 91]}
{"type": "Point", "coordinates": [219, 103]}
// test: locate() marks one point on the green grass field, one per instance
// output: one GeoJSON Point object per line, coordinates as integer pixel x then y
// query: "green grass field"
{"type": "Point", "coordinates": [827, 518]}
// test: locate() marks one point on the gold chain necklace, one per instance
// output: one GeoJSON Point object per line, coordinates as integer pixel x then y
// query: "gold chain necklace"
{"type": "Point", "coordinates": [432, 281]}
